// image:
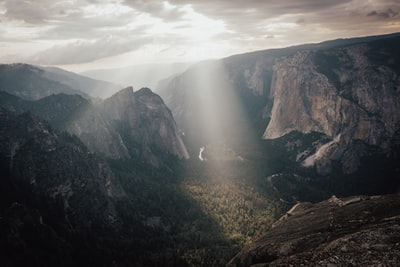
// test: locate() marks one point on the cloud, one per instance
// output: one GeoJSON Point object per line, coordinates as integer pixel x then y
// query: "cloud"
{"type": "Point", "coordinates": [257, 9]}
{"type": "Point", "coordinates": [39, 11]}
{"type": "Point", "coordinates": [87, 51]}
{"type": "Point", "coordinates": [159, 9]}
{"type": "Point", "coordinates": [28, 11]}
{"type": "Point", "coordinates": [253, 17]}
{"type": "Point", "coordinates": [91, 28]}
{"type": "Point", "coordinates": [73, 31]}
{"type": "Point", "coordinates": [300, 21]}
{"type": "Point", "coordinates": [389, 13]}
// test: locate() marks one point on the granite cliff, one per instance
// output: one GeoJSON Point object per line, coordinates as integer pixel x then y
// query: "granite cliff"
{"type": "Point", "coordinates": [144, 123]}
{"type": "Point", "coordinates": [348, 93]}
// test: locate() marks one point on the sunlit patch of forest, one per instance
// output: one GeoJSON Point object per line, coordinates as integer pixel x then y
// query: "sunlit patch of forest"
{"type": "Point", "coordinates": [241, 212]}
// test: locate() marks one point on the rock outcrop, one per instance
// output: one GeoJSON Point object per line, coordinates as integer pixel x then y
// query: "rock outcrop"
{"type": "Point", "coordinates": [353, 231]}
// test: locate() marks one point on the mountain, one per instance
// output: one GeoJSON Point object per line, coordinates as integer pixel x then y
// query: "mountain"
{"type": "Point", "coordinates": [29, 82]}
{"type": "Point", "coordinates": [32, 82]}
{"type": "Point", "coordinates": [353, 231]}
{"type": "Point", "coordinates": [344, 90]}
{"type": "Point", "coordinates": [128, 125]}
{"type": "Point", "coordinates": [138, 76]}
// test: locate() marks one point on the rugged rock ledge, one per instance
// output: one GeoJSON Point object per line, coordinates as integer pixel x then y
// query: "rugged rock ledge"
{"type": "Point", "coordinates": [354, 231]}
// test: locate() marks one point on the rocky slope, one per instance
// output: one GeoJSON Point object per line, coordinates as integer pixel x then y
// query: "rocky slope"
{"type": "Point", "coordinates": [354, 231]}
{"type": "Point", "coordinates": [32, 82]}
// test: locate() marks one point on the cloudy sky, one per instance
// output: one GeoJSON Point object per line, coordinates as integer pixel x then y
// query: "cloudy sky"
{"type": "Point", "coordinates": [86, 34]}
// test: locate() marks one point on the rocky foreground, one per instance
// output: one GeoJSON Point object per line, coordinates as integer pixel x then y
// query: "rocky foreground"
{"type": "Point", "coordinates": [354, 231]}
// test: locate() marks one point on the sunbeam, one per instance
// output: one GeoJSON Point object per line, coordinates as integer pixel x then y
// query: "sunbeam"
{"type": "Point", "coordinates": [216, 115]}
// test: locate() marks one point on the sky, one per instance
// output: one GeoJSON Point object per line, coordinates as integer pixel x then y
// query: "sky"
{"type": "Point", "coordinates": [92, 34]}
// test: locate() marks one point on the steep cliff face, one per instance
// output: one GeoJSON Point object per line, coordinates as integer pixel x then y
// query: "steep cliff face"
{"type": "Point", "coordinates": [144, 123]}
{"type": "Point", "coordinates": [345, 93]}
{"type": "Point", "coordinates": [353, 231]}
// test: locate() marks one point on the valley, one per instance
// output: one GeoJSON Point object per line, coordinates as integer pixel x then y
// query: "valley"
{"type": "Point", "coordinates": [203, 167]}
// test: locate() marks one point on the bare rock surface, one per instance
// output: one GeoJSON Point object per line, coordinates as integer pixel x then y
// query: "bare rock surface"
{"type": "Point", "coordinates": [353, 231]}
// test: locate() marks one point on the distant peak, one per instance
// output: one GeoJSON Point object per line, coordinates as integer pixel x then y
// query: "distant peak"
{"type": "Point", "coordinates": [144, 91]}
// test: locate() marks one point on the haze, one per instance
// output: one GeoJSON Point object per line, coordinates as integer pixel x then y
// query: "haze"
{"type": "Point", "coordinates": [89, 34]}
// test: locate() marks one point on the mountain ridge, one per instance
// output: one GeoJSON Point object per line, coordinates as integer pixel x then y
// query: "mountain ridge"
{"type": "Point", "coordinates": [128, 125]}
{"type": "Point", "coordinates": [259, 81]}
{"type": "Point", "coordinates": [34, 82]}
